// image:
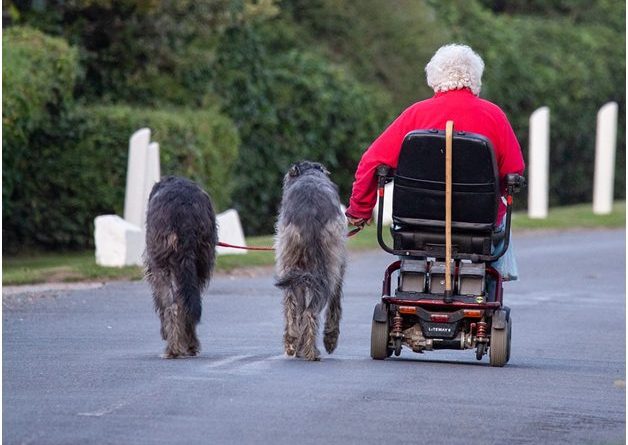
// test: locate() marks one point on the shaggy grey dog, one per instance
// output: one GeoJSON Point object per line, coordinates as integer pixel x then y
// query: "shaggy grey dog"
{"type": "Point", "coordinates": [311, 258]}
{"type": "Point", "coordinates": [179, 258]}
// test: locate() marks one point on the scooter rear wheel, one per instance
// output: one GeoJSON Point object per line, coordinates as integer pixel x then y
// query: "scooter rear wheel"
{"type": "Point", "coordinates": [379, 340]}
{"type": "Point", "coordinates": [499, 349]}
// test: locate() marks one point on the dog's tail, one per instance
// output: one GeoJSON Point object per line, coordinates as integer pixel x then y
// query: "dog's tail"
{"type": "Point", "coordinates": [188, 293]}
{"type": "Point", "coordinates": [313, 287]}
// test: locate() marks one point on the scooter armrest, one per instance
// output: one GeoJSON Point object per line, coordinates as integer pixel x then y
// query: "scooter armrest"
{"type": "Point", "coordinates": [515, 183]}
{"type": "Point", "coordinates": [385, 172]}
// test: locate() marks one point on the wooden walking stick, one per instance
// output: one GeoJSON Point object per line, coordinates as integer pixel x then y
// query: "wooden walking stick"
{"type": "Point", "coordinates": [449, 134]}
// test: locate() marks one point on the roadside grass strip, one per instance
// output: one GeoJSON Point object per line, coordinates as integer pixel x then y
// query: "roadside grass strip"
{"type": "Point", "coordinates": [47, 267]}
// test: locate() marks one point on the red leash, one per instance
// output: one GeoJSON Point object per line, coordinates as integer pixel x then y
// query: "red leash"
{"type": "Point", "coordinates": [354, 231]}
{"type": "Point", "coordinates": [221, 244]}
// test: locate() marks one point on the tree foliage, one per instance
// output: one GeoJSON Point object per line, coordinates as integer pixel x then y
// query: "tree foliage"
{"type": "Point", "coordinates": [146, 51]}
{"type": "Point", "coordinates": [80, 169]}
{"type": "Point", "coordinates": [384, 43]}
{"type": "Point", "coordinates": [316, 79]}
{"type": "Point", "coordinates": [37, 80]}
{"type": "Point", "coordinates": [573, 68]}
{"type": "Point", "coordinates": [289, 105]}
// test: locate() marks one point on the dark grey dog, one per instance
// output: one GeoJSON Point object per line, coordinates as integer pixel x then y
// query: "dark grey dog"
{"type": "Point", "coordinates": [180, 252]}
{"type": "Point", "coordinates": [311, 258]}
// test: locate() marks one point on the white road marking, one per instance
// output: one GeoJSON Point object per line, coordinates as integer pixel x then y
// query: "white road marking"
{"type": "Point", "coordinates": [115, 406]}
{"type": "Point", "coordinates": [228, 360]}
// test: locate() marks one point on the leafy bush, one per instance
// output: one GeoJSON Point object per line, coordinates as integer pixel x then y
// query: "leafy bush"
{"type": "Point", "coordinates": [289, 105]}
{"type": "Point", "coordinates": [144, 51]}
{"type": "Point", "coordinates": [573, 68]}
{"type": "Point", "coordinates": [38, 76]}
{"type": "Point", "coordinates": [277, 68]}
{"type": "Point", "coordinates": [567, 54]}
{"type": "Point", "coordinates": [80, 172]}
{"type": "Point", "coordinates": [385, 43]}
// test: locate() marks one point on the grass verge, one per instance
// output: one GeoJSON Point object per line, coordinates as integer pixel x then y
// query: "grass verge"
{"type": "Point", "coordinates": [81, 266]}
{"type": "Point", "coordinates": [576, 216]}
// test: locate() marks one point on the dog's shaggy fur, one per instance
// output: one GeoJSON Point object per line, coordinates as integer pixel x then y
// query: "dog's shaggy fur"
{"type": "Point", "coordinates": [179, 258]}
{"type": "Point", "coordinates": [311, 258]}
{"type": "Point", "coordinates": [454, 67]}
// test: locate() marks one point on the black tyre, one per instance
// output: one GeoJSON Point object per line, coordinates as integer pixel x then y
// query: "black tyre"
{"type": "Point", "coordinates": [396, 348]}
{"type": "Point", "coordinates": [479, 352]}
{"type": "Point", "coordinates": [509, 339]}
{"type": "Point", "coordinates": [499, 350]}
{"type": "Point", "coordinates": [379, 340]}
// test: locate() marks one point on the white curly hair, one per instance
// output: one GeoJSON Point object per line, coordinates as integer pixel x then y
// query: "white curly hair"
{"type": "Point", "coordinates": [454, 67]}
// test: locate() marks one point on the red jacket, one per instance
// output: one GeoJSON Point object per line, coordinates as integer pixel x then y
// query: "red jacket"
{"type": "Point", "coordinates": [469, 113]}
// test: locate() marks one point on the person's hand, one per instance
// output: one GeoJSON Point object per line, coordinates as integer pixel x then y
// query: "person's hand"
{"type": "Point", "coordinates": [359, 222]}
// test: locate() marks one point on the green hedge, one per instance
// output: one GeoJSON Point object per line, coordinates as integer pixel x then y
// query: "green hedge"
{"type": "Point", "coordinates": [384, 43]}
{"type": "Point", "coordinates": [572, 67]}
{"type": "Point", "coordinates": [38, 76]}
{"type": "Point", "coordinates": [289, 105]}
{"type": "Point", "coordinates": [137, 52]}
{"type": "Point", "coordinates": [81, 170]}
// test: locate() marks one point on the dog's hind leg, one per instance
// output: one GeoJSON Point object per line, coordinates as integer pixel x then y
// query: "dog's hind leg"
{"type": "Point", "coordinates": [174, 327]}
{"type": "Point", "coordinates": [309, 330]}
{"type": "Point", "coordinates": [161, 286]}
{"type": "Point", "coordinates": [332, 320]}
{"type": "Point", "coordinates": [185, 313]}
{"type": "Point", "coordinates": [194, 346]}
{"type": "Point", "coordinates": [191, 340]}
{"type": "Point", "coordinates": [291, 330]}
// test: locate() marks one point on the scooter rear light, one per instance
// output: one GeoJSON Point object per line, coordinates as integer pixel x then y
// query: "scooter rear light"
{"type": "Point", "coordinates": [473, 313]}
{"type": "Point", "coordinates": [439, 318]}
{"type": "Point", "coordinates": [407, 309]}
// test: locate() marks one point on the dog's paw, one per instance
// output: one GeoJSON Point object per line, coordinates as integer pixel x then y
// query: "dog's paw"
{"type": "Point", "coordinates": [289, 345]}
{"type": "Point", "coordinates": [194, 347]}
{"type": "Point", "coordinates": [312, 355]}
{"type": "Point", "coordinates": [290, 350]}
{"type": "Point", "coordinates": [174, 352]}
{"type": "Point", "coordinates": [330, 341]}
{"type": "Point", "coordinates": [192, 352]}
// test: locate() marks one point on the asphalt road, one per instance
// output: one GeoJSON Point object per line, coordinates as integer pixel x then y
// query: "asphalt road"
{"type": "Point", "coordinates": [83, 366]}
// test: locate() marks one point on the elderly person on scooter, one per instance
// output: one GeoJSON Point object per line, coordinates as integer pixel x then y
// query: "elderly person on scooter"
{"type": "Point", "coordinates": [455, 75]}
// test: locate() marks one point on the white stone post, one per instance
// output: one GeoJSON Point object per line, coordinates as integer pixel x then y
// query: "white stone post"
{"type": "Point", "coordinates": [230, 232]}
{"type": "Point", "coordinates": [134, 208]}
{"type": "Point", "coordinates": [605, 146]}
{"type": "Point", "coordinates": [118, 242]}
{"type": "Point", "coordinates": [153, 174]}
{"type": "Point", "coordinates": [538, 176]}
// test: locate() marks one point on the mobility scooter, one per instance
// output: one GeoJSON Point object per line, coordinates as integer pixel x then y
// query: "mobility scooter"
{"type": "Point", "coordinates": [445, 199]}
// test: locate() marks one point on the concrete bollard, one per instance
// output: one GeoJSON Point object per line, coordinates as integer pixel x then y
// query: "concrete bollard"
{"type": "Point", "coordinates": [134, 207]}
{"type": "Point", "coordinates": [230, 232]}
{"type": "Point", "coordinates": [121, 242]}
{"type": "Point", "coordinates": [118, 242]}
{"type": "Point", "coordinates": [605, 147]}
{"type": "Point", "coordinates": [152, 175]}
{"type": "Point", "coordinates": [538, 176]}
